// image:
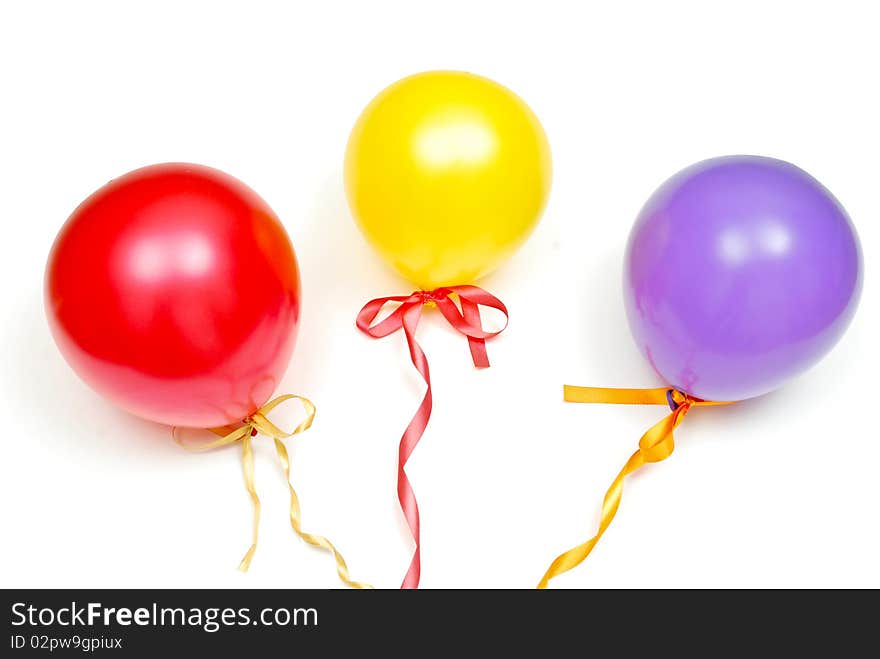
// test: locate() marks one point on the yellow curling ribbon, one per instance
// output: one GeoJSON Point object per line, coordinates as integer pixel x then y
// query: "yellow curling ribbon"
{"type": "Point", "coordinates": [257, 423]}
{"type": "Point", "coordinates": [655, 445]}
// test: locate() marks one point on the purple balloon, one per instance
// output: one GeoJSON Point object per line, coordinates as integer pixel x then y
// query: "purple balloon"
{"type": "Point", "coordinates": [741, 272]}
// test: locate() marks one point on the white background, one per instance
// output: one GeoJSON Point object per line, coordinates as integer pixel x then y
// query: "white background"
{"type": "Point", "coordinates": [780, 491]}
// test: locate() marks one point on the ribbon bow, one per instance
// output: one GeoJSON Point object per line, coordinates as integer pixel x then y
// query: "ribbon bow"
{"type": "Point", "coordinates": [255, 424]}
{"type": "Point", "coordinates": [465, 320]}
{"type": "Point", "coordinates": [655, 445]}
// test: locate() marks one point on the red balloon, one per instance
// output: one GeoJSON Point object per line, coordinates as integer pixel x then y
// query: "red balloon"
{"type": "Point", "coordinates": [174, 291]}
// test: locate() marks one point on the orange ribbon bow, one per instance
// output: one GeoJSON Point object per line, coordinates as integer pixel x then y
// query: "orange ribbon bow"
{"type": "Point", "coordinates": [655, 445]}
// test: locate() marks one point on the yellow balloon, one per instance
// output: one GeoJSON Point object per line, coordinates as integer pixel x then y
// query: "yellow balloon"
{"type": "Point", "coordinates": [447, 173]}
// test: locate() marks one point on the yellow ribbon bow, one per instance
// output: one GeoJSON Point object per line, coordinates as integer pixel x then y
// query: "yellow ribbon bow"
{"type": "Point", "coordinates": [257, 423]}
{"type": "Point", "coordinates": [655, 445]}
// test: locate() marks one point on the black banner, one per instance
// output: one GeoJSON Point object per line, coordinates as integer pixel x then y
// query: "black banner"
{"type": "Point", "coordinates": [391, 623]}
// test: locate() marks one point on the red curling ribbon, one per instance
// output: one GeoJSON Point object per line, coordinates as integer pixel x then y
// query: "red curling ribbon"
{"type": "Point", "coordinates": [465, 320]}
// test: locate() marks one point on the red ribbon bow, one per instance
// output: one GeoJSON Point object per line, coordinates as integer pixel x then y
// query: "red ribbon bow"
{"type": "Point", "coordinates": [465, 320]}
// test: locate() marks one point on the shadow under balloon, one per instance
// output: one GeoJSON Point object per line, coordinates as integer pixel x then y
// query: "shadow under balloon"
{"type": "Point", "coordinates": [614, 359]}
{"type": "Point", "coordinates": [340, 273]}
{"type": "Point", "coordinates": [765, 411]}
{"type": "Point", "coordinates": [61, 409]}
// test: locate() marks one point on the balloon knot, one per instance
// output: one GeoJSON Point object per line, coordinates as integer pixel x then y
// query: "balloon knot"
{"type": "Point", "coordinates": [674, 404]}
{"type": "Point", "coordinates": [431, 296]}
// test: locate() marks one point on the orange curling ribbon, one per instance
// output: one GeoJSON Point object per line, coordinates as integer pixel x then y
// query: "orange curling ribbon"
{"type": "Point", "coordinates": [655, 445]}
{"type": "Point", "coordinates": [255, 424]}
{"type": "Point", "coordinates": [406, 316]}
